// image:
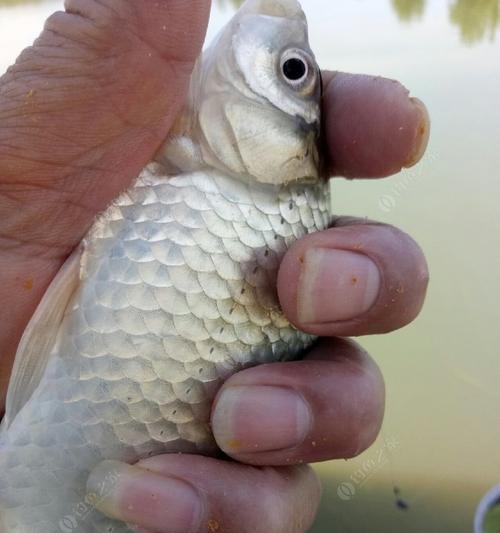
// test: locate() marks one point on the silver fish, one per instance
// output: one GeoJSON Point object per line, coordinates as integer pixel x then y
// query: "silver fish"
{"type": "Point", "coordinates": [174, 288]}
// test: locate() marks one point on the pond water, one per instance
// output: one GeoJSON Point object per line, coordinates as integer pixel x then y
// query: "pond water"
{"type": "Point", "coordinates": [440, 447]}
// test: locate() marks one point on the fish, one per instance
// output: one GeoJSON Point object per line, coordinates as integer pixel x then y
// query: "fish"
{"type": "Point", "coordinates": [173, 289]}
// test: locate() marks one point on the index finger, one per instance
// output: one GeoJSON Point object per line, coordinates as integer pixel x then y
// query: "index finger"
{"type": "Point", "coordinates": [372, 126]}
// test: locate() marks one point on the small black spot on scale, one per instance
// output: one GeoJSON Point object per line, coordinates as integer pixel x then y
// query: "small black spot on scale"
{"type": "Point", "coordinates": [188, 391]}
{"type": "Point", "coordinates": [282, 220]}
{"type": "Point", "coordinates": [200, 371]}
{"type": "Point", "coordinates": [290, 206]}
{"type": "Point", "coordinates": [212, 350]}
{"type": "Point", "coordinates": [266, 253]}
{"type": "Point", "coordinates": [174, 412]}
{"type": "Point", "coordinates": [276, 237]}
{"type": "Point", "coordinates": [129, 399]}
{"type": "Point", "coordinates": [232, 311]}
{"type": "Point", "coordinates": [243, 290]}
{"type": "Point", "coordinates": [255, 270]}
{"type": "Point", "coordinates": [221, 331]}
{"type": "Point", "coordinates": [162, 432]}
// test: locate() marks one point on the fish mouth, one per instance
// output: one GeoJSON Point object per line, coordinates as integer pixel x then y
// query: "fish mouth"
{"type": "Point", "coordinates": [305, 128]}
{"type": "Point", "coordinates": [310, 132]}
{"type": "Point", "coordinates": [315, 139]}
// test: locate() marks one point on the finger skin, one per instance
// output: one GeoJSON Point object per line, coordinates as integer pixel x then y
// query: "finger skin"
{"type": "Point", "coordinates": [232, 498]}
{"type": "Point", "coordinates": [82, 112]}
{"type": "Point", "coordinates": [372, 127]}
{"type": "Point", "coordinates": [345, 393]}
{"type": "Point", "coordinates": [403, 272]}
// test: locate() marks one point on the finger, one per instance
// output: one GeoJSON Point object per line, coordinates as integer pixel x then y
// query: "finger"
{"type": "Point", "coordinates": [354, 279]}
{"type": "Point", "coordinates": [329, 406]}
{"type": "Point", "coordinates": [373, 128]}
{"type": "Point", "coordinates": [81, 113]}
{"type": "Point", "coordinates": [180, 493]}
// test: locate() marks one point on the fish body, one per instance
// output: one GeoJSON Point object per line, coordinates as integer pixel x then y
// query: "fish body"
{"type": "Point", "coordinates": [174, 288]}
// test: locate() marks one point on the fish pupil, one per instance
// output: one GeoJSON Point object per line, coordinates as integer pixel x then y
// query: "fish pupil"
{"type": "Point", "coordinates": [294, 69]}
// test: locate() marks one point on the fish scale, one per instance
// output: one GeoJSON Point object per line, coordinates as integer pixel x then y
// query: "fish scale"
{"type": "Point", "coordinates": [173, 290]}
{"type": "Point", "coordinates": [136, 379]}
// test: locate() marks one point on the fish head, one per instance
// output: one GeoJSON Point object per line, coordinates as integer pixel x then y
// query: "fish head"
{"type": "Point", "coordinates": [258, 96]}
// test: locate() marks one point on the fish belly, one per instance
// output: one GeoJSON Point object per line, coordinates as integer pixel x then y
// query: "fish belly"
{"type": "Point", "coordinates": [178, 292]}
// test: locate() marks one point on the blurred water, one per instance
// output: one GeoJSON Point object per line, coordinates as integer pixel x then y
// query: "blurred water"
{"type": "Point", "coordinates": [441, 439]}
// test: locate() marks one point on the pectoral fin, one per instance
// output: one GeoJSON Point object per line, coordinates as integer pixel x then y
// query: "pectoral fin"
{"type": "Point", "coordinates": [40, 336]}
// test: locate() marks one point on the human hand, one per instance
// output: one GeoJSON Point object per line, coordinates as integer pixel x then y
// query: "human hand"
{"type": "Point", "coordinates": [82, 112]}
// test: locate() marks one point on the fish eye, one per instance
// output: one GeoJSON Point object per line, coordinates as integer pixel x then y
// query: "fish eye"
{"type": "Point", "coordinates": [298, 70]}
{"type": "Point", "coordinates": [295, 69]}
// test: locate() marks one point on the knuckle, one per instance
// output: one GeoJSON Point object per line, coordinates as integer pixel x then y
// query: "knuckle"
{"type": "Point", "coordinates": [70, 29]}
{"type": "Point", "coordinates": [97, 28]}
{"type": "Point", "coordinates": [105, 13]}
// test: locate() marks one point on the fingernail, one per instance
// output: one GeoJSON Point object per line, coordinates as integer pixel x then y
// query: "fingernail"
{"type": "Point", "coordinates": [254, 419]}
{"type": "Point", "coordinates": [140, 497]}
{"type": "Point", "coordinates": [336, 285]}
{"type": "Point", "coordinates": [422, 135]}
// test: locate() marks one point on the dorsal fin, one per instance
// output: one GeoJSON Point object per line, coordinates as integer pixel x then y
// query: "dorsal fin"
{"type": "Point", "coordinates": [39, 337]}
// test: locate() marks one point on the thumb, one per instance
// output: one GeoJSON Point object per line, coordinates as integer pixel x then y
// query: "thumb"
{"type": "Point", "coordinates": [84, 109]}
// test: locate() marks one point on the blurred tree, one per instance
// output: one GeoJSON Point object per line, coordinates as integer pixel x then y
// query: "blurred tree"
{"type": "Point", "coordinates": [409, 9]}
{"type": "Point", "coordinates": [492, 520]}
{"type": "Point", "coordinates": [477, 19]}
{"type": "Point", "coordinates": [233, 3]}
{"type": "Point", "coordinates": [15, 2]}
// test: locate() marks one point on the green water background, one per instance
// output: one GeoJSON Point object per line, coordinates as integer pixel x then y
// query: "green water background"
{"type": "Point", "coordinates": [440, 447]}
